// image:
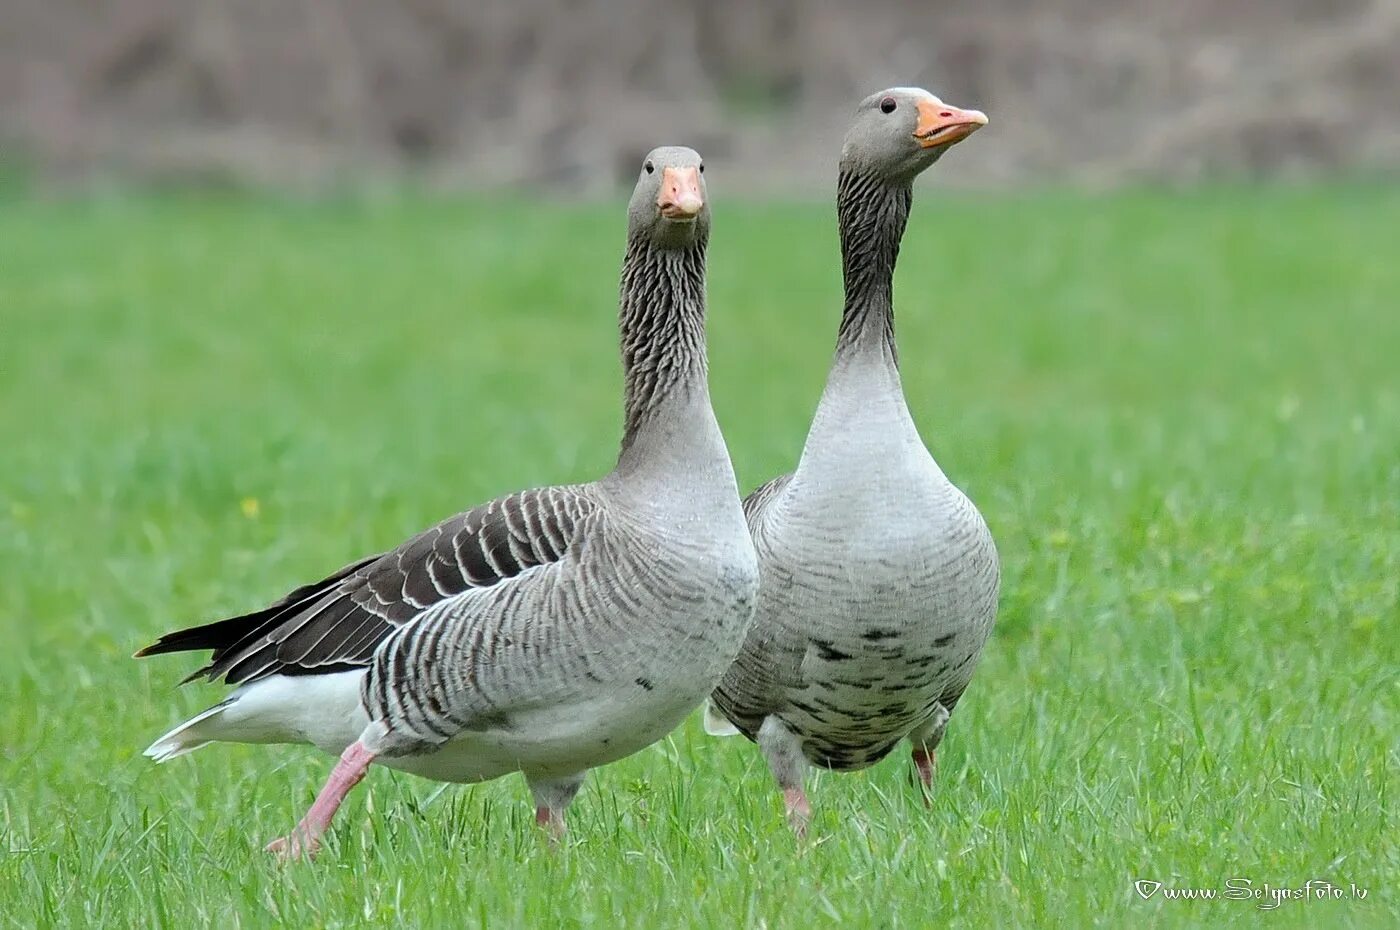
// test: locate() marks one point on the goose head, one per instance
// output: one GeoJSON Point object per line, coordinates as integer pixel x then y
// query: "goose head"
{"type": "Point", "coordinates": [899, 132]}
{"type": "Point", "coordinates": [669, 206]}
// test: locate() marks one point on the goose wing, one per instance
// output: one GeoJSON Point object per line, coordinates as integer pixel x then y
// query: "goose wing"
{"type": "Point", "coordinates": [337, 623]}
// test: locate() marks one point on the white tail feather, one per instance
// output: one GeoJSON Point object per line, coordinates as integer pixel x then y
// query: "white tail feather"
{"type": "Point", "coordinates": [323, 710]}
{"type": "Point", "coordinates": [185, 738]}
{"type": "Point", "coordinates": [715, 724]}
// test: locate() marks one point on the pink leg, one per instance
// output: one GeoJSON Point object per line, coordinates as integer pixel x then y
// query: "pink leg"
{"type": "Point", "coordinates": [924, 762]}
{"type": "Point", "coordinates": [799, 812]}
{"type": "Point", "coordinates": [305, 838]}
{"type": "Point", "coordinates": [551, 821]}
{"type": "Point", "coordinates": [783, 750]}
{"type": "Point", "coordinates": [552, 796]}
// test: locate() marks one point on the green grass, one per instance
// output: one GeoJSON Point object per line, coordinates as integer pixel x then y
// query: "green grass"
{"type": "Point", "coordinates": [1179, 412]}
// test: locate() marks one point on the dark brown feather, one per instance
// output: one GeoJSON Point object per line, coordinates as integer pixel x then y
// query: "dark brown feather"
{"type": "Point", "coordinates": [337, 623]}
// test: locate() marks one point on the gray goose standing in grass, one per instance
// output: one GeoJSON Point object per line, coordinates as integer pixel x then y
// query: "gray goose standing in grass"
{"type": "Point", "coordinates": [546, 632]}
{"type": "Point", "coordinates": [879, 577]}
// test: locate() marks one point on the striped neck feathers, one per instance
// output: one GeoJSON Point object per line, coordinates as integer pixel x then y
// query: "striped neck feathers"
{"type": "Point", "coordinates": [872, 213]}
{"type": "Point", "coordinates": [661, 320]}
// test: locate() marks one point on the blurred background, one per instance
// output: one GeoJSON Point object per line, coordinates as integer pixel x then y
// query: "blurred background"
{"type": "Point", "coordinates": [308, 93]}
{"type": "Point", "coordinates": [257, 319]}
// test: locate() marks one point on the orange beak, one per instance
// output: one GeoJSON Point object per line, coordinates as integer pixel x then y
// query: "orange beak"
{"type": "Point", "coordinates": [941, 124]}
{"type": "Point", "coordinates": [680, 197]}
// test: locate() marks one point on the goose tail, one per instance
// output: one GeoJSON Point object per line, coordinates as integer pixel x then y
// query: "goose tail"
{"type": "Point", "coordinates": [187, 737]}
{"type": "Point", "coordinates": [715, 722]}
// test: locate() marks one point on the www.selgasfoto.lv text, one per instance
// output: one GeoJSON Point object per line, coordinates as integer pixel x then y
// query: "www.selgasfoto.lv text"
{"type": "Point", "coordinates": [1264, 895]}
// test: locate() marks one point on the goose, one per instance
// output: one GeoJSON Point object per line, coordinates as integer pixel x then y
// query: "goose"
{"type": "Point", "coordinates": [547, 632]}
{"type": "Point", "coordinates": [879, 577]}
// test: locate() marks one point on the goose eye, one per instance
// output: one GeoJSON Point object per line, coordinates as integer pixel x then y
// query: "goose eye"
{"type": "Point", "coordinates": [650, 167]}
{"type": "Point", "coordinates": [702, 167]}
{"type": "Point", "coordinates": [887, 105]}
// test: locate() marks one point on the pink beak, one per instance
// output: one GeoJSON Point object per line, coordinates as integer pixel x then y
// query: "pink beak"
{"type": "Point", "coordinates": [942, 124]}
{"type": "Point", "coordinates": [680, 197]}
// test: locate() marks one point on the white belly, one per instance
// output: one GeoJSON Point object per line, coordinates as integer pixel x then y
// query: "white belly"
{"type": "Point", "coordinates": [554, 741]}
{"type": "Point", "coordinates": [557, 739]}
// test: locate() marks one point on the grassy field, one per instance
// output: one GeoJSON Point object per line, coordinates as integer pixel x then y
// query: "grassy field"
{"type": "Point", "coordinates": [1179, 412]}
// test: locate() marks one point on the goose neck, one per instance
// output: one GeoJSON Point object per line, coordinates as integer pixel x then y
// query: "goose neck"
{"type": "Point", "coordinates": [872, 213]}
{"type": "Point", "coordinates": [662, 328]}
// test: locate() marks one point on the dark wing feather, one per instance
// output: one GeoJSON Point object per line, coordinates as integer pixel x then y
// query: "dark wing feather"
{"type": "Point", "coordinates": [337, 623]}
{"type": "Point", "coordinates": [221, 633]}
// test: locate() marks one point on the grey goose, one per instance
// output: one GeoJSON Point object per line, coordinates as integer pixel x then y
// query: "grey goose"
{"type": "Point", "coordinates": [547, 632]}
{"type": "Point", "coordinates": [879, 577]}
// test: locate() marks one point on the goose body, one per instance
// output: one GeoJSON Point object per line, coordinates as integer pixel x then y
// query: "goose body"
{"type": "Point", "coordinates": [879, 576]}
{"type": "Point", "coordinates": [587, 699]}
{"type": "Point", "coordinates": [548, 631]}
